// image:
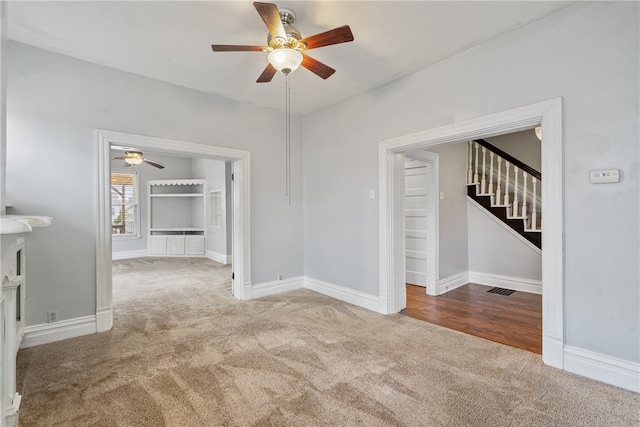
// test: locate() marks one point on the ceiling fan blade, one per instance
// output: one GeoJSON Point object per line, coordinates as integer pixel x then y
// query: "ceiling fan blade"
{"type": "Point", "coordinates": [267, 74]}
{"type": "Point", "coordinates": [235, 48]}
{"type": "Point", "coordinates": [317, 67]}
{"type": "Point", "coordinates": [154, 163]}
{"type": "Point", "coordinates": [119, 158]}
{"type": "Point", "coordinates": [337, 35]}
{"type": "Point", "coordinates": [271, 17]}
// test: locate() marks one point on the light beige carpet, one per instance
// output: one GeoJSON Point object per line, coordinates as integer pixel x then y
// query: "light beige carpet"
{"type": "Point", "coordinates": [184, 352]}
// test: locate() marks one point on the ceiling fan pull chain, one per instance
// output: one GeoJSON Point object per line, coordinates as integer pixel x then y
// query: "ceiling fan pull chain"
{"type": "Point", "coordinates": [288, 138]}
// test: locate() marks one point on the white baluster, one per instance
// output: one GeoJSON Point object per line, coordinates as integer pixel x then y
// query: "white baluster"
{"type": "Point", "coordinates": [475, 175]}
{"type": "Point", "coordinates": [524, 194]}
{"type": "Point", "coordinates": [470, 161]}
{"type": "Point", "coordinates": [515, 192]}
{"type": "Point", "coordinates": [491, 190]}
{"type": "Point", "coordinates": [483, 184]}
{"type": "Point", "coordinates": [534, 219]}
{"type": "Point", "coordinates": [506, 183]}
{"type": "Point", "coordinates": [498, 190]}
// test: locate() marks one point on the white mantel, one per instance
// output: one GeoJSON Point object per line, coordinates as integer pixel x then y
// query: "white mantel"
{"type": "Point", "coordinates": [19, 224]}
{"type": "Point", "coordinates": [12, 305]}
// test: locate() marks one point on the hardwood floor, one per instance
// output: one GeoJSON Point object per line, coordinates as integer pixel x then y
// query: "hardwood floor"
{"type": "Point", "coordinates": [514, 320]}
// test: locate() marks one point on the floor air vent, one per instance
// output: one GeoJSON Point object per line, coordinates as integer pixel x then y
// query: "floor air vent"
{"type": "Point", "coordinates": [501, 291]}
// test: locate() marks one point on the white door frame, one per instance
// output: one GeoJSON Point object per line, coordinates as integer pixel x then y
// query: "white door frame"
{"type": "Point", "coordinates": [241, 253]}
{"type": "Point", "coordinates": [547, 114]}
{"type": "Point", "coordinates": [433, 221]}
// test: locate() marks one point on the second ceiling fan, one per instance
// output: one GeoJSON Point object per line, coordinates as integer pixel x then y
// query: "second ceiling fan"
{"type": "Point", "coordinates": [286, 45]}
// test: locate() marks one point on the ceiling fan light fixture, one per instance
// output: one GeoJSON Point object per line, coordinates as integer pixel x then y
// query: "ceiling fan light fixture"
{"type": "Point", "coordinates": [133, 158]}
{"type": "Point", "coordinates": [538, 131]}
{"type": "Point", "coordinates": [285, 60]}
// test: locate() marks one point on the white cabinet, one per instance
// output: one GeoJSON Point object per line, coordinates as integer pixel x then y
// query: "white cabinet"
{"type": "Point", "coordinates": [176, 217]}
{"type": "Point", "coordinates": [194, 245]}
{"type": "Point", "coordinates": [157, 245]}
{"type": "Point", "coordinates": [175, 245]}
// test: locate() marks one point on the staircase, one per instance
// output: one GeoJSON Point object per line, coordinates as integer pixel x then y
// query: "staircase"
{"type": "Point", "coordinates": [507, 188]}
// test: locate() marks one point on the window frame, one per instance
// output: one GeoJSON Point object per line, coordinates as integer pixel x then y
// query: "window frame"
{"type": "Point", "coordinates": [136, 204]}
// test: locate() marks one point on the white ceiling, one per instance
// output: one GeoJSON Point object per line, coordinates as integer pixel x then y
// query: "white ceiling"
{"type": "Point", "coordinates": [170, 41]}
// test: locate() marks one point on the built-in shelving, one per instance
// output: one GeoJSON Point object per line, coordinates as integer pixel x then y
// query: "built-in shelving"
{"type": "Point", "coordinates": [176, 217]}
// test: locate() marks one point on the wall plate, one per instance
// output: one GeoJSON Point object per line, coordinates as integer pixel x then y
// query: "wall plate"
{"type": "Point", "coordinates": [604, 176]}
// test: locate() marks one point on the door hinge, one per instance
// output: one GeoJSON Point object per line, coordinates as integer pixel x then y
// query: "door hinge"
{"type": "Point", "coordinates": [232, 177]}
{"type": "Point", "coordinates": [233, 276]}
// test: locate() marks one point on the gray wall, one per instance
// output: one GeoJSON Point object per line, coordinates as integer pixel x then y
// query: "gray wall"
{"type": "Point", "coordinates": [587, 54]}
{"type": "Point", "coordinates": [55, 105]}
{"type": "Point", "coordinates": [454, 245]}
{"type": "Point", "coordinates": [174, 168]}
{"type": "Point", "coordinates": [524, 146]}
{"type": "Point", "coordinates": [494, 250]}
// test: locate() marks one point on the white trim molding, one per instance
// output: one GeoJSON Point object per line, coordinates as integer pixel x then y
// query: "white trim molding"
{"type": "Point", "coordinates": [548, 115]}
{"type": "Point", "coordinates": [218, 257]}
{"type": "Point", "coordinates": [104, 319]}
{"type": "Point", "coordinates": [277, 286]}
{"type": "Point", "coordinates": [603, 368]}
{"type": "Point", "coordinates": [506, 282]}
{"type": "Point", "coordinates": [141, 253]}
{"type": "Point", "coordinates": [361, 299]}
{"type": "Point", "coordinates": [46, 333]}
{"type": "Point", "coordinates": [450, 283]}
{"type": "Point", "coordinates": [241, 206]}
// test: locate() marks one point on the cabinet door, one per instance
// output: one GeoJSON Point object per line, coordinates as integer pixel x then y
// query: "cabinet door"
{"type": "Point", "coordinates": [175, 245]}
{"type": "Point", "coordinates": [195, 245]}
{"type": "Point", "coordinates": [157, 245]}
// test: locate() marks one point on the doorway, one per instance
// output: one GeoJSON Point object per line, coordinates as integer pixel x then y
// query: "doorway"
{"type": "Point", "coordinates": [422, 238]}
{"type": "Point", "coordinates": [240, 161]}
{"type": "Point", "coordinates": [391, 155]}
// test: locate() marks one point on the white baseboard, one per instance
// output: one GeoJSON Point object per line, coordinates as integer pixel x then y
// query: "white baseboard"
{"type": "Point", "coordinates": [275, 287]}
{"type": "Point", "coordinates": [603, 368]}
{"type": "Point", "coordinates": [50, 332]}
{"type": "Point", "coordinates": [507, 282]}
{"type": "Point", "coordinates": [450, 283]}
{"type": "Point", "coordinates": [553, 352]}
{"type": "Point", "coordinates": [361, 299]}
{"type": "Point", "coordinates": [129, 254]}
{"type": "Point", "coordinates": [104, 319]}
{"type": "Point", "coordinates": [218, 257]}
{"type": "Point", "coordinates": [11, 412]}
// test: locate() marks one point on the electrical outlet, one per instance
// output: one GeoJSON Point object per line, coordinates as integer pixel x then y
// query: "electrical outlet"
{"type": "Point", "coordinates": [279, 276]}
{"type": "Point", "coordinates": [52, 316]}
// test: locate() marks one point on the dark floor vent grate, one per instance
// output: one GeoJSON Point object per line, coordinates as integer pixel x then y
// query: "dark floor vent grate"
{"type": "Point", "coordinates": [501, 291]}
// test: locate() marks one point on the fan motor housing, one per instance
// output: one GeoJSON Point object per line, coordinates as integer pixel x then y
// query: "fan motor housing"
{"type": "Point", "coordinates": [294, 36]}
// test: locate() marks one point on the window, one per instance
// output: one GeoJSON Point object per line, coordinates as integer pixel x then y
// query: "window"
{"type": "Point", "coordinates": [215, 208]}
{"type": "Point", "coordinates": [125, 218]}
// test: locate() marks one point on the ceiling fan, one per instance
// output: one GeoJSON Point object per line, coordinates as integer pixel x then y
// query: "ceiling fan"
{"type": "Point", "coordinates": [135, 158]}
{"type": "Point", "coordinates": [286, 45]}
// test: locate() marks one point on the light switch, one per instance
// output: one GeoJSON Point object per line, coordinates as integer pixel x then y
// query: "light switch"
{"type": "Point", "coordinates": [442, 195]}
{"type": "Point", "coordinates": [604, 176]}
{"type": "Point", "coordinates": [372, 193]}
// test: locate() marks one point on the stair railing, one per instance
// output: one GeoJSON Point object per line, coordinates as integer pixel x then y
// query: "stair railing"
{"type": "Point", "coordinates": [478, 171]}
